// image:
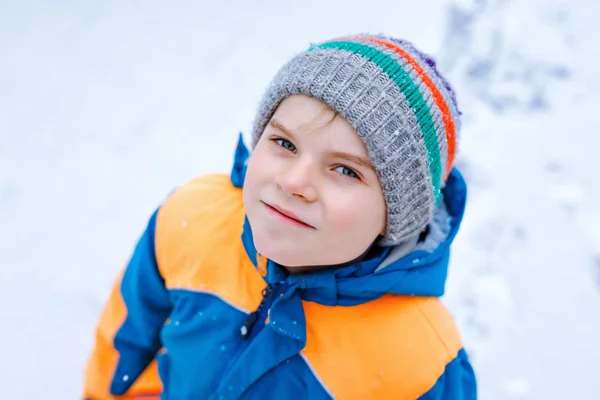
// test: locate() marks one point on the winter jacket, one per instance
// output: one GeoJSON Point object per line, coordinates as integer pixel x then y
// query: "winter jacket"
{"type": "Point", "coordinates": [198, 314]}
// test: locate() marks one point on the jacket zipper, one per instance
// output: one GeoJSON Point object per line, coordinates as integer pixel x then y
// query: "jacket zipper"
{"type": "Point", "coordinates": [246, 331]}
{"type": "Point", "coordinates": [252, 318]}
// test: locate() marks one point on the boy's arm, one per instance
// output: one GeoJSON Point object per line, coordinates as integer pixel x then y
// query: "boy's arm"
{"type": "Point", "coordinates": [456, 383]}
{"type": "Point", "coordinates": [127, 335]}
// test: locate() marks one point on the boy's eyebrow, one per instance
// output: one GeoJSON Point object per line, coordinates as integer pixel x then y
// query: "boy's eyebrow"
{"type": "Point", "coordinates": [363, 162]}
{"type": "Point", "coordinates": [281, 128]}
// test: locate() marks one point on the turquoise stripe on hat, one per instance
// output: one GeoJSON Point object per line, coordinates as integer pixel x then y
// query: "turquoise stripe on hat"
{"type": "Point", "coordinates": [407, 86]}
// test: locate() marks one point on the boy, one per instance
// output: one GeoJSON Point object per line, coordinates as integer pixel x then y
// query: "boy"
{"type": "Point", "coordinates": [312, 271]}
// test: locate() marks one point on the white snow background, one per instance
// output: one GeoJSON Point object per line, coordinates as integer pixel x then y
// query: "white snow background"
{"type": "Point", "coordinates": [107, 106]}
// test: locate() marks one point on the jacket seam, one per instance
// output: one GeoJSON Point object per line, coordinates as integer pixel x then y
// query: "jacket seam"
{"type": "Point", "coordinates": [437, 333]}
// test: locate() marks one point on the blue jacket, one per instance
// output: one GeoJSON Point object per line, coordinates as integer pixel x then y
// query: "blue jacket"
{"type": "Point", "coordinates": [198, 314]}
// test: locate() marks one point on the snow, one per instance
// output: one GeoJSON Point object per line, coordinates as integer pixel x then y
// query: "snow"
{"type": "Point", "coordinates": [105, 107]}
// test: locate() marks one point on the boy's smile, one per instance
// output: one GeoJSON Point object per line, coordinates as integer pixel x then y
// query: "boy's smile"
{"type": "Point", "coordinates": [287, 216]}
{"type": "Point", "coordinates": [311, 195]}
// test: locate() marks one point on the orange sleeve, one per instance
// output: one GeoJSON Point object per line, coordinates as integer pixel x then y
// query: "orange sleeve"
{"type": "Point", "coordinates": [103, 359]}
{"type": "Point", "coordinates": [122, 363]}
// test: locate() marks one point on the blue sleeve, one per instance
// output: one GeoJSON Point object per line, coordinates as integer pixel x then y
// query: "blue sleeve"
{"type": "Point", "coordinates": [148, 306]}
{"type": "Point", "coordinates": [456, 383]}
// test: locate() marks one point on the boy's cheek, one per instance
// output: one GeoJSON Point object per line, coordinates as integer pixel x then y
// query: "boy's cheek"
{"type": "Point", "coordinates": [253, 174]}
{"type": "Point", "coordinates": [260, 167]}
{"type": "Point", "coordinates": [343, 218]}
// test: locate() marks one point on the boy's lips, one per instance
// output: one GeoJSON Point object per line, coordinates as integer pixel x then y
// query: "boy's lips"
{"type": "Point", "coordinates": [287, 215]}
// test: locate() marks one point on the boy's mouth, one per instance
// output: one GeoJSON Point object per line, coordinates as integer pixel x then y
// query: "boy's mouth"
{"type": "Point", "coordinates": [286, 216]}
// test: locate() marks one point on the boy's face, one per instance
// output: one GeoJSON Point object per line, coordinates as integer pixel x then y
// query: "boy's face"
{"type": "Point", "coordinates": [311, 195]}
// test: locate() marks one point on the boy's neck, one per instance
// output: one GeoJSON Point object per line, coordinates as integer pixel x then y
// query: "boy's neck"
{"type": "Point", "coordinates": [314, 268]}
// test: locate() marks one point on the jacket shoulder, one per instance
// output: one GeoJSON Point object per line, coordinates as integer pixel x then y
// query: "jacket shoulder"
{"type": "Point", "coordinates": [442, 324]}
{"type": "Point", "coordinates": [381, 346]}
{"type": "Point", "coordinates": [199, 245]}
{"type": "Point", "coordinates": [204, 214]}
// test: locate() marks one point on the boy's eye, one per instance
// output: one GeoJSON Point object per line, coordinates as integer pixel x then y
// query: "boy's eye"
{"type": "Point", "coordinates": [346, 171]}
{"type": "Point", "coordinates": [286, 144]}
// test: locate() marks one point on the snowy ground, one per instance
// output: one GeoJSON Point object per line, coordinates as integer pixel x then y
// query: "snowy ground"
{"type": "Point", "coordinates": [105, 106]}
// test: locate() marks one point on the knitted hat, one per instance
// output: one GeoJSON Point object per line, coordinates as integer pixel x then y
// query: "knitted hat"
{"type": "Point", "coordinates": [401, 107]}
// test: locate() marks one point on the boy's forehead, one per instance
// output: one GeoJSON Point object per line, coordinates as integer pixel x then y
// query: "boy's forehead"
{"type": "Point", "coordinates": [299, 112]}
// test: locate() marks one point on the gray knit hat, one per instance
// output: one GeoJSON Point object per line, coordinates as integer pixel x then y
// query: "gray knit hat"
{"type": "Point", "coordinates": [399, 104]}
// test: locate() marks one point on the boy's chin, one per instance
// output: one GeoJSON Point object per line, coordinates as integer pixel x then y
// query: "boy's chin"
{"type": "Point", "coordinates": [283, 255]}
{"type": "Point", "coordinates": [294, 256]}
{"type": "Point", "coordinates": [286, 251]}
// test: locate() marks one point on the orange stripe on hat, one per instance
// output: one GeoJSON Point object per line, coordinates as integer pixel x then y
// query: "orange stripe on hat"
{"type": "Point", "coordinates": [437, 96]}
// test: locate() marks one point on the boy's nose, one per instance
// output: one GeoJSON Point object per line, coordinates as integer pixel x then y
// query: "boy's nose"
{"type": "Point", "coordinates": [298, 180]}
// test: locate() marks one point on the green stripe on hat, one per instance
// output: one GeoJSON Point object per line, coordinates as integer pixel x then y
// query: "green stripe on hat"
{"type": "Point", "coordinates": [409, 89]}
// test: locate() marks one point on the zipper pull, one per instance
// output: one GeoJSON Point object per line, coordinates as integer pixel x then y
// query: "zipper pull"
{"type": "Point", "coordinates": [248, 324]}
{"type": "Point", "coordinates": [253, 316]}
